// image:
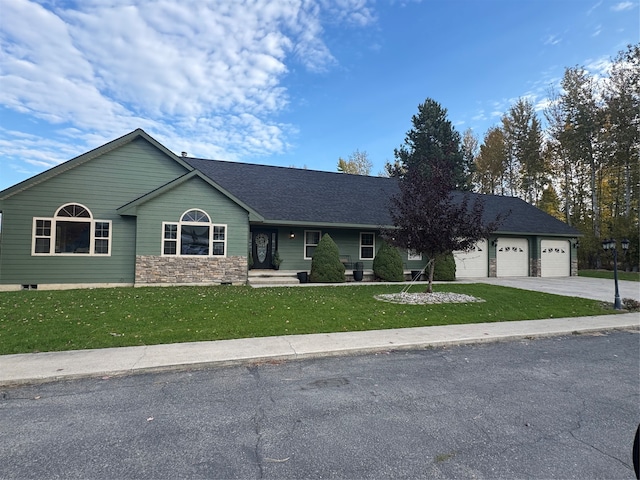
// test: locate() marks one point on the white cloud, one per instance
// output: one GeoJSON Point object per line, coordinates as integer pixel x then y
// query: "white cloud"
{"type": "Point", "coordinates": [353, 11]}
{"type": "Point", "coordinates": [594, 8]}
{"type": "Point", "coordinates": [207, 70]}
{"type": "Point", "coordinates": [552, 40]}
{"type": "Point", "coordinates": [622, 6]}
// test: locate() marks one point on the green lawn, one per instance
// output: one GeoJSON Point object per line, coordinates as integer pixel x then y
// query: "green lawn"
{"type": "Point", "coordinates": [631, 276]}
{"type": "Point", "coordinates": [38, 321]}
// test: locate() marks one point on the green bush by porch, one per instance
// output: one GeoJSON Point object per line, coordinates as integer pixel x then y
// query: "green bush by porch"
{"type": "Point", "coordinates": [326, 266]}
{"type": "Point", "coordinates": [445, 268]}
{"type": "Point", "coordinates": [387, 265]}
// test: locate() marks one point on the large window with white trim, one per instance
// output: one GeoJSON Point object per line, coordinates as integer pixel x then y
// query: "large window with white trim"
{"type": "Point", "coordinates": [71, 231]}
{"type": "Point", "coordinates": [367, 245]}
{"type": "Point", "coordinates": [311, 241]}
{"type": "Point", "coordinates": [194, 234]}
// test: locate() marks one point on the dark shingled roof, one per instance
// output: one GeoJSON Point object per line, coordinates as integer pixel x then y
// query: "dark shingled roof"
{"type": "Point", "coordinates": [286, 195]}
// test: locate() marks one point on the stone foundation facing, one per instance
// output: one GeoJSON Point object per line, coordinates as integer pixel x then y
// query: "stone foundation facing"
{"type": "Point", "coordinates": [191, 270]}
{"type": "Point", "coordinates": [493, 267]}
{"type": "Point", "coordinates": [535, 267]}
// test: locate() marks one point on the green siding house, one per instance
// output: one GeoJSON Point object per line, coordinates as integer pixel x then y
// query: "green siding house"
{"type": "Point", "coordinates": [133, 213]}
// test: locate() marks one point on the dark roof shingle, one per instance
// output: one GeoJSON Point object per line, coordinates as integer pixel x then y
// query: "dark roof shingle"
{"type": "Point", "coordinates": [282, 194]}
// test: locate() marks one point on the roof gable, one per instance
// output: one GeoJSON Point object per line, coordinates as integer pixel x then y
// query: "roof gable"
{"type": "Point", "coordinates": [86, 157]}
{"type": "Point", "coordinates": [131, 207]}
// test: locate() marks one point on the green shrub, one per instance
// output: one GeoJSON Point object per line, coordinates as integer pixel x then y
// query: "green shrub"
{"type": "Point", "coordinates": [387, 265]}
{"type": "Point", "coordinates": [326, 266]}
{"type": "Point", "coordinates": [444, 269]}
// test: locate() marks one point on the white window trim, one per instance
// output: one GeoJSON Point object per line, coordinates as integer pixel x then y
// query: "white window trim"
{"type": "Point", "coordinates": [34, 237]}
{"type": "Point", "coordinates": [213, 241]}
{"type": "Point", "coordinates": [178, 239]}
{"type": "Point", "coordinates": [413, 256]}
{"type": "Point", "coordinates": [373, 246]}
{"type": "Point", "coordinates": [305, 244]}
{"type": "Point", "coordinates": [52, 238]}
{"type": "Point", "coordinates": [94, 238]}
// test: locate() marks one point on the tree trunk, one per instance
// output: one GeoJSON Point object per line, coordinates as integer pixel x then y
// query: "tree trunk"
{"type": "Point", "coordinates": [431, 266]}
{"type": "Point", "coordinates": [595, 207]}
{"type": "Point", "coordinates": [627, 189]}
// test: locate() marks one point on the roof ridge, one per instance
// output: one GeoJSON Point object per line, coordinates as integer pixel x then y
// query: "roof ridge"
{"type": "Point", "coordinates": [293, 168]}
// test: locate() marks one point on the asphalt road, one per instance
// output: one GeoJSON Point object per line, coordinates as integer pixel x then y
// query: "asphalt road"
{"type": "Point", "coordinates": [560, 407]}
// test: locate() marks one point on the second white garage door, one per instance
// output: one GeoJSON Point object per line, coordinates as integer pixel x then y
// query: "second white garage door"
{"type": "Point", "coordinates": [512, 257]}
{"type": "Point", "coordinates": [474, 263]}
{"type": "Point", "coordinates": [555, 258]}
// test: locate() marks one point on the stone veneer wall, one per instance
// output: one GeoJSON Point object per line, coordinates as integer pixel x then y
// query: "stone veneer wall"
{"type": "Point", "coordinates": [535, 267]}
{"type": "Point", "coordinates": [153, 269]}
{"type": "Point", "coordinates": [493, 267]}
{"type": "Point", "coordinates": [574, 267]}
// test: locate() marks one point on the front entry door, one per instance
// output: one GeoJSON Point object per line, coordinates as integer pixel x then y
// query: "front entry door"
{"type": "Point", "coordinates": [263, 245]}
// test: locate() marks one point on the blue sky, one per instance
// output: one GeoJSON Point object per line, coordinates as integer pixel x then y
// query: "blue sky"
{"type": "Point", "coordinates": [287, 82]}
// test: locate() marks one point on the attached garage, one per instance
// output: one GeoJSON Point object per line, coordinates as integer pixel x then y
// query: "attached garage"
{"type": "Point", "coordinates": [512, 257]}
{"type": "Point", "coordinates": [555, 258]}
{"type": "Point", "coordinates": [474, 263]}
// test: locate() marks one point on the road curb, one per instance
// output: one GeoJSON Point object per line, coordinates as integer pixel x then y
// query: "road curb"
{"type": "Point", "coordinates": [21, 369]}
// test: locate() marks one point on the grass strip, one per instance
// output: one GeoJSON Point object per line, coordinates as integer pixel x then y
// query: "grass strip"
{"type": "Point", "coordinates": [629, 276]}
{"type": "Point", "coordinates": [40, 321]}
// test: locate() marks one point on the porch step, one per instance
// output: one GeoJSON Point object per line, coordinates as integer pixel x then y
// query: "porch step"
{"type": "Point", "coordinates": [273, 277]}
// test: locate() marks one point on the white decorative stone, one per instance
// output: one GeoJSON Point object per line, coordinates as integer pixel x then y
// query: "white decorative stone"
{"type": "Point", "coordinates": [427, 298]}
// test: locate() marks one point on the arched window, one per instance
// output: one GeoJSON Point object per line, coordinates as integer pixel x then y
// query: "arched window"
{"type": "Point", "coordinates": [71, 231]}
{"type": "Point", "coordinates": [194, 234]}
{"type": "Point", "coordinates": [196, 216]}
{"type": "Point", "coordinates": [73, 210]}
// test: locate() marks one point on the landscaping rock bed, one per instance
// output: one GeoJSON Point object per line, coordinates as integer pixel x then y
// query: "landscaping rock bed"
{"type": "Point", "coordinates": [427, 298]}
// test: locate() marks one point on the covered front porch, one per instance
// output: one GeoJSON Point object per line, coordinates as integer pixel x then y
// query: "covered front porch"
{"type": "Point", "coordinates": [259, 277]}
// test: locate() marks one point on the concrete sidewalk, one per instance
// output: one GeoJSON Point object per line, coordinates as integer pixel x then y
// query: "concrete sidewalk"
{"type": "Point", "coordinates": [46, 367]}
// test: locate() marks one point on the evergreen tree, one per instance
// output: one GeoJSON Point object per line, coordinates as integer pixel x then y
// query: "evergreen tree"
{"type": "Point", "coordinates": [387, 264]}
{"type": "Point", "coordinates": [326, 266]}
{"type": "Point", "coordinates": [550, 202]}
{"type": "Point", "coordinates": [523, 136]}
{"type": "Point", "coordinates": [432, 139]}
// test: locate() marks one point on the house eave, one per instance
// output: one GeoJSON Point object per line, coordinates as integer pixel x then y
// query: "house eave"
{"type": "Point", "coordinates": [298, 223]}
{"type": "Point", "coordinates": [537, 234]}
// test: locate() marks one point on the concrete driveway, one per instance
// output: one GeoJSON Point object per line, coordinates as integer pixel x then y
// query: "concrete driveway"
{"type": "Point", "coordinates": [584, 287]}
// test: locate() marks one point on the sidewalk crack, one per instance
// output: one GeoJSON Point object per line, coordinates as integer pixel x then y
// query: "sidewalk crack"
{"type": "Point", "coordinates": [291, 346]}
{"type": "Point", "coordinates": [139, 359]}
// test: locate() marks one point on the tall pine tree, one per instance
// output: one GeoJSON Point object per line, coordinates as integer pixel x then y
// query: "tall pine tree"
{"type": "Point", "coordinates": [432, 139]}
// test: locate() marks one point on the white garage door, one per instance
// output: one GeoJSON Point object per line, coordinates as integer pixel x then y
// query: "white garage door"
{"type": "Point", "coordinates": [512, 257]}
{"type": "Point", "coordinates": [555, 258]}
{"type": "Point", "coordinates": [474, 263]}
